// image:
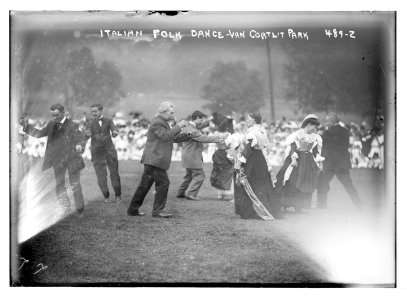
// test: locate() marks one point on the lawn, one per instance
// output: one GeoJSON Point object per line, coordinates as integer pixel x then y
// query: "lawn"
{"type": "Point", "coordinates": [204, 244]}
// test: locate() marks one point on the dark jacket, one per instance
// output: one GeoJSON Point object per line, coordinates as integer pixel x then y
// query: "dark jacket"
{"type": "Point", "coordinates": [61, 144]}
{"type": "Point", "coordinates": [335, 145]}
{"type": "Point", "coordinates": [100, 136]}
{"type": "Point", "coordinates": [160, 138]}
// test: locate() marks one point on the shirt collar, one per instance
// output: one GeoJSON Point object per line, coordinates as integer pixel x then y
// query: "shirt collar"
{"type": "Point", "coordinates": [101, 117]}
{"type": "Point", "coordinates": [63, 120]}
{"type": "Point", "coordinates": [161, 117]}
{"type": "Point", "coordinates": [193, 124]}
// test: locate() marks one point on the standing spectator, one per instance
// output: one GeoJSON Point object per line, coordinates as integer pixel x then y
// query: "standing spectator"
{"type": "Point", "coordinates": [376, 149]}
{"type": "Point", "coordinates": [337, 162]}
{"type": "Point", "coordinates": [357, 158]}
{"type": "Point", "coordinates": [156, 159]}
{"type": "Point", "coordinates": [103, 152]}
{"type": "Point", "coordinates": [63, 153]}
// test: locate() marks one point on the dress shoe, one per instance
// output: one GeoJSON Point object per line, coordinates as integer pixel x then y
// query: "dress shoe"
{"type": "Point", "coordinates": [135, 214]}
{"type": "Point", "coordinates": [181, 196]}
{"type": "Point", "coordinates": [162, 215]}
{"type": "Point", "coordinates": [107, 200]}
{"type": "Point", "coordinates": [189, 197]}
{"type": "Point", "coordinates": [79, 212]}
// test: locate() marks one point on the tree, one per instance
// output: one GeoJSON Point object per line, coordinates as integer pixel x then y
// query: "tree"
{"type": "Point", "coordinates": [92, 83]}
{"type": "Point", "coordinates": [233, 87]}
{"type": "Point", "coordinates": [51, 73]}
{"type": "Point", "coordinates": [323, 77]}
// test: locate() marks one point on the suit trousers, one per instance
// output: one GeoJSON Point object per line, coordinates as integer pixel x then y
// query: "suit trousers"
{"type": "Point", "coordinates": [193, 179]}
{"type": "Point", "coordinates": [100, 160]}
{"type": "Point", "coordinates": [151, 174]}
{"type": "Point", "coordinates": [343, 176]}
{"type": "Point", "coordinates": [74, 180]}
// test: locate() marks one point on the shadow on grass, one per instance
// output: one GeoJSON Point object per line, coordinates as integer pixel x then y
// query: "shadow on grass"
{"type": "Point", "coordinates": [205, 244]}
{"type": "Point", "coordinates": [108, 248]}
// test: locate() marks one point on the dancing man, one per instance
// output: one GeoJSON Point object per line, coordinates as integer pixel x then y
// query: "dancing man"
{"type": "Point", "coordinates": [192, 156]}
{"type": "Point", "coordinates": [337, 162]}
{"type": "Point", "coordinates": [103, 152]}
{"type": "Point", "coordinates": [156, 159]}
{"type": "Point", "coordinates": [63, 153]}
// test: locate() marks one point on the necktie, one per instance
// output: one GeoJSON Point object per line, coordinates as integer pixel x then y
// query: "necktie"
{"type": "Point", "coordinates": [59, 126]}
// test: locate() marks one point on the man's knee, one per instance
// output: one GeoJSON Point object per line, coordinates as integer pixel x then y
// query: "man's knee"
{"type": "Point", "coordinates": [162, 184]}
{"type": "Point", "coordinates": [200, 174]}
{"type": "Point", "coordinates": [345, 178]}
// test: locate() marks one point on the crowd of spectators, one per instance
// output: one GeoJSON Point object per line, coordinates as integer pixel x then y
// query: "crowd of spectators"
{"type": "Point", "coordinates": [366, 143]}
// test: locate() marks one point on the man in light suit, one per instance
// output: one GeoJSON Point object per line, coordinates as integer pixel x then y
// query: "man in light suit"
{"type": "Point", "coordinates": [335, 144]}
{"type": "Point", "coordinates": [103, 151]}
{"type": "Point", "coordinates": [63, 153]}
{"type": "Point", "coordinates": [156, 159]}
{"type": "Point", "coordinates": [192, 156]}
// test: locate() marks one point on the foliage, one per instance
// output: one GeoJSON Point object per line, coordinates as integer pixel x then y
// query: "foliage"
{"type": "Point", "coordinates": [91, 83]}
{"type": "Point", "coordinates": [327, 77]}
{"type": "Point", "coordinates": [233, 87]}
{"type": "Point", "coordinates": [72, 77]}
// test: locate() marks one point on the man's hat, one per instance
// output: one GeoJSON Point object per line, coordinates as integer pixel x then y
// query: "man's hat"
{"type": "Point", "coordinates": [225, 124]}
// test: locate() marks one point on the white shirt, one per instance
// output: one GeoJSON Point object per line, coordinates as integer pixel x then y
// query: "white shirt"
{"type": "Point", "coordinates": [61, 123]}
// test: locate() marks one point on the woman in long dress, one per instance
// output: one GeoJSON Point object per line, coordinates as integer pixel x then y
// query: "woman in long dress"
{"type": "Point", "coordinates": [298, 177]}
{"type": "Point", "coordinates": [223, 166]}
{"type": "Point", "coordinates": [255, 197]}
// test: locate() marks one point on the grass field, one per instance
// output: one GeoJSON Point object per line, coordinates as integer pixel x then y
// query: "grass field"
{"type": "Point", "coordinates": [205, 242]}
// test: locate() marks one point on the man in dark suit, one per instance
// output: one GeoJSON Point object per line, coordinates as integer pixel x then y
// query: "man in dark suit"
{"type": "Point", "coordinates": [156, 159]}
{"type": "Point", "coordinates": [63, 153]}
{"type": "Point", "coordinates": [192, 156]}
{"type": "Point", "coordinates": [335, 144]}
{"type": "Point", "coordinates": [103, 151]}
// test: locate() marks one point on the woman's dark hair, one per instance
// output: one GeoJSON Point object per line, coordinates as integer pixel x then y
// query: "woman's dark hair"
{"type": "Point", "coordinates": [223, 123]}
{"type": "Point", "coordinates": [256, 116]}
{"type": "Point", "coordinates": [311, 121]}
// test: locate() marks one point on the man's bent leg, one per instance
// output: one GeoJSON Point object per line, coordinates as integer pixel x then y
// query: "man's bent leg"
{"type": "Point", "coordinates": [324, 179]}
{"type": "Point", "coordinates": [99, 163]}
{"type": "Point", "coordinates": [162, 184]}
{"type": "Point", "coordinates": [345, 179]}
{"type": "Point", "coordinates": [113, 165]}
{"type": "Point", "coordinates": [198, 177]}
{"type": "Point", "coordinates": [64, 205]}
{"type": "Point", "coordinates": [185, 184]}
{"type": "Point", "coordinates": [75, 181]}
{"type": "Point", "coordinates": [145, 184]}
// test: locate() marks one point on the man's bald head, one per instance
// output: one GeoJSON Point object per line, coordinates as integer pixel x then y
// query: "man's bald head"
{"type": "Point", "coordinates": [166, 110]}
{"type": "Point", "coordinates": [332, 119]}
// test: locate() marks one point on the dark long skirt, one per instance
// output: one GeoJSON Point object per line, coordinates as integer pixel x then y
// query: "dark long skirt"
{"type": "Point", "coordinates": [222, 171]}
{"type": "Point", "coordinates": [297, 191]}
{"type": "Point", "coordinates": [260, 181]}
